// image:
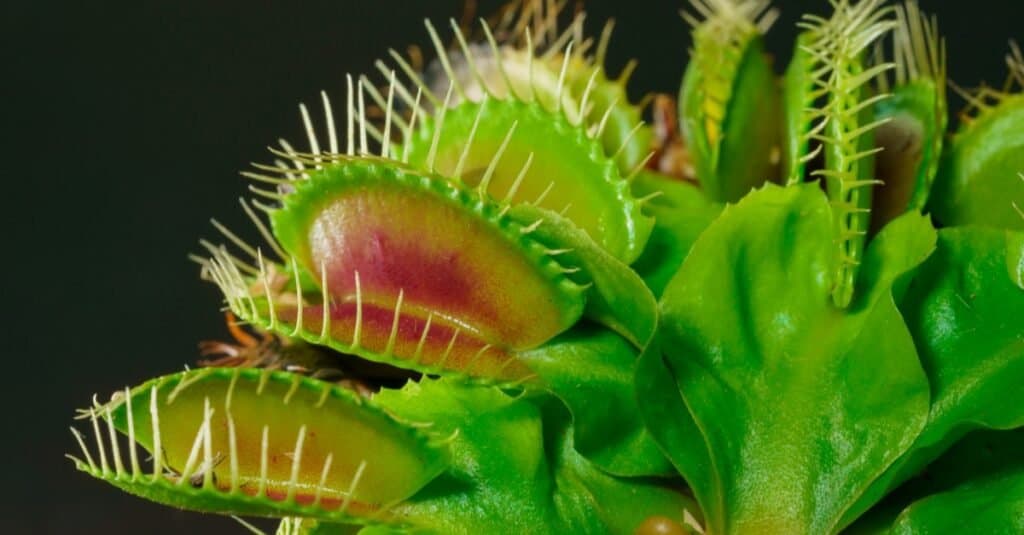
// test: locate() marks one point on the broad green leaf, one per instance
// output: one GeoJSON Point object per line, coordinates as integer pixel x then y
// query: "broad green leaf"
{"type": "Point", "coordinates": [515, 468]}
{"type": "Point", "coordinates": [975, 487]}
{"type": "Point", "coordinates": [591, 501]}
{"type": "Point", "coordinates": [993, 507]}
{"type": "Point", "coordinates": [499, 476]}
{"type": "Point", "coordinates": [776, 377]}
{"type": "Point", "coordinates": [681, 212]}
{"type": "Point", "coordinates": [672, 426]}
{"type": "Point", "coordinates": [591, 370]}
{"type": "Point", "coordinates": [963, 310]}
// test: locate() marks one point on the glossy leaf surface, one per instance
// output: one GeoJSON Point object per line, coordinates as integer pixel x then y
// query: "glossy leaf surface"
{"type": "Point", "coordinates": [776, 377]}
{"type": "Point", "coordinates": [514, 468]}
{"type": "Point", "coordinates": [963, 309]}
{"type": "Point", "coordinates": [681, 214]}
{"type": "Point", "coordinates": [591, 370]}
{"type": "Point", "coordinates": [980, 178]}
{"type": "Point", "coordinates": [975, 487]}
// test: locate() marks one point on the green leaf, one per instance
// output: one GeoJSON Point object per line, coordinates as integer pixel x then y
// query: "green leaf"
{"type": "Point", "coordinates": [776, 377]}
{"type": "Point", "coordinates": [963, 310]}
{"type": "Point", "coordinates": [994, 506]}
{"type": "Point", "coordinates": [591, 370]}
{"type": "Point", "coordinates": [499, 472]}
{"type": "Point", "coordinates": [979, 181]}
{"type": "Point", "coordinates": [681, 213]}
{"type": "Point", "coordinates": [591, 501]}
{"type": "Point", "coordinates": [975, 487]}
{"type": "Point", "coordinates": [515, 468]}
{"type": "Point", "coordinates": [672, 426]}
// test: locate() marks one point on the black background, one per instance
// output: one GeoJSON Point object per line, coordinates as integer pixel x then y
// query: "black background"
{"type": "Point", "coordinates": [124, 125]}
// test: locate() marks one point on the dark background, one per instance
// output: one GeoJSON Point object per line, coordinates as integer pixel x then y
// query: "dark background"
{"type": "Point", "coordinates": [124, 126]}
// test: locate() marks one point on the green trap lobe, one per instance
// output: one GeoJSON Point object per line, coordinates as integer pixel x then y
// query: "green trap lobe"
{"type": "Point", "coordinates": [980, 178]}
{"type": "Point", "coordinates": [266, 442]}
{"type": "Point", "coordinates": [731, 113]}
{"type": "Point", "coordinates": [568, 172]}
{"type": "Point", "coordinates": [415, 268]}
{"type": "Point", "coordinates": [912, 141]}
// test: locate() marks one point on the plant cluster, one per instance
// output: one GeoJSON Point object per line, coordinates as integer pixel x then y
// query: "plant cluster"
{"type": "Point", "coordinates": [493, 299]}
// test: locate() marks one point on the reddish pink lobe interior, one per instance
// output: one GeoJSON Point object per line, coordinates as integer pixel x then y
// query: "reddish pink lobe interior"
{"type": "Point", "coordinates": [447, 262]}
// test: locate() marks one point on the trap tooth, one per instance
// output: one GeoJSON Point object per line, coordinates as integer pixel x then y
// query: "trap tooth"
{"type": "Point", "coordinates": [730, 107]}
{"type": "Point", "coordinates": [263, 443]}
{"type": "Point", "coordinates": [981, 178]}
{"type": "Point", "coordinates": [521, 153]}
{"type": "Point", "coordinates": [415, 272]}
{"type": "Point", "coordinates": [913, 138]}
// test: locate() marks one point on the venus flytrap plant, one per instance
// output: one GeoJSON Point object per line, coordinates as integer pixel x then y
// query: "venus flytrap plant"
{"type": "Point", "coordinates": [532, 331]}
{"type": "Point", "coordinates": [615, 296]}
{"type": "Point", "coordinates": [482, 133]}
{"type": "Point", "coordinates": [724, 370]}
